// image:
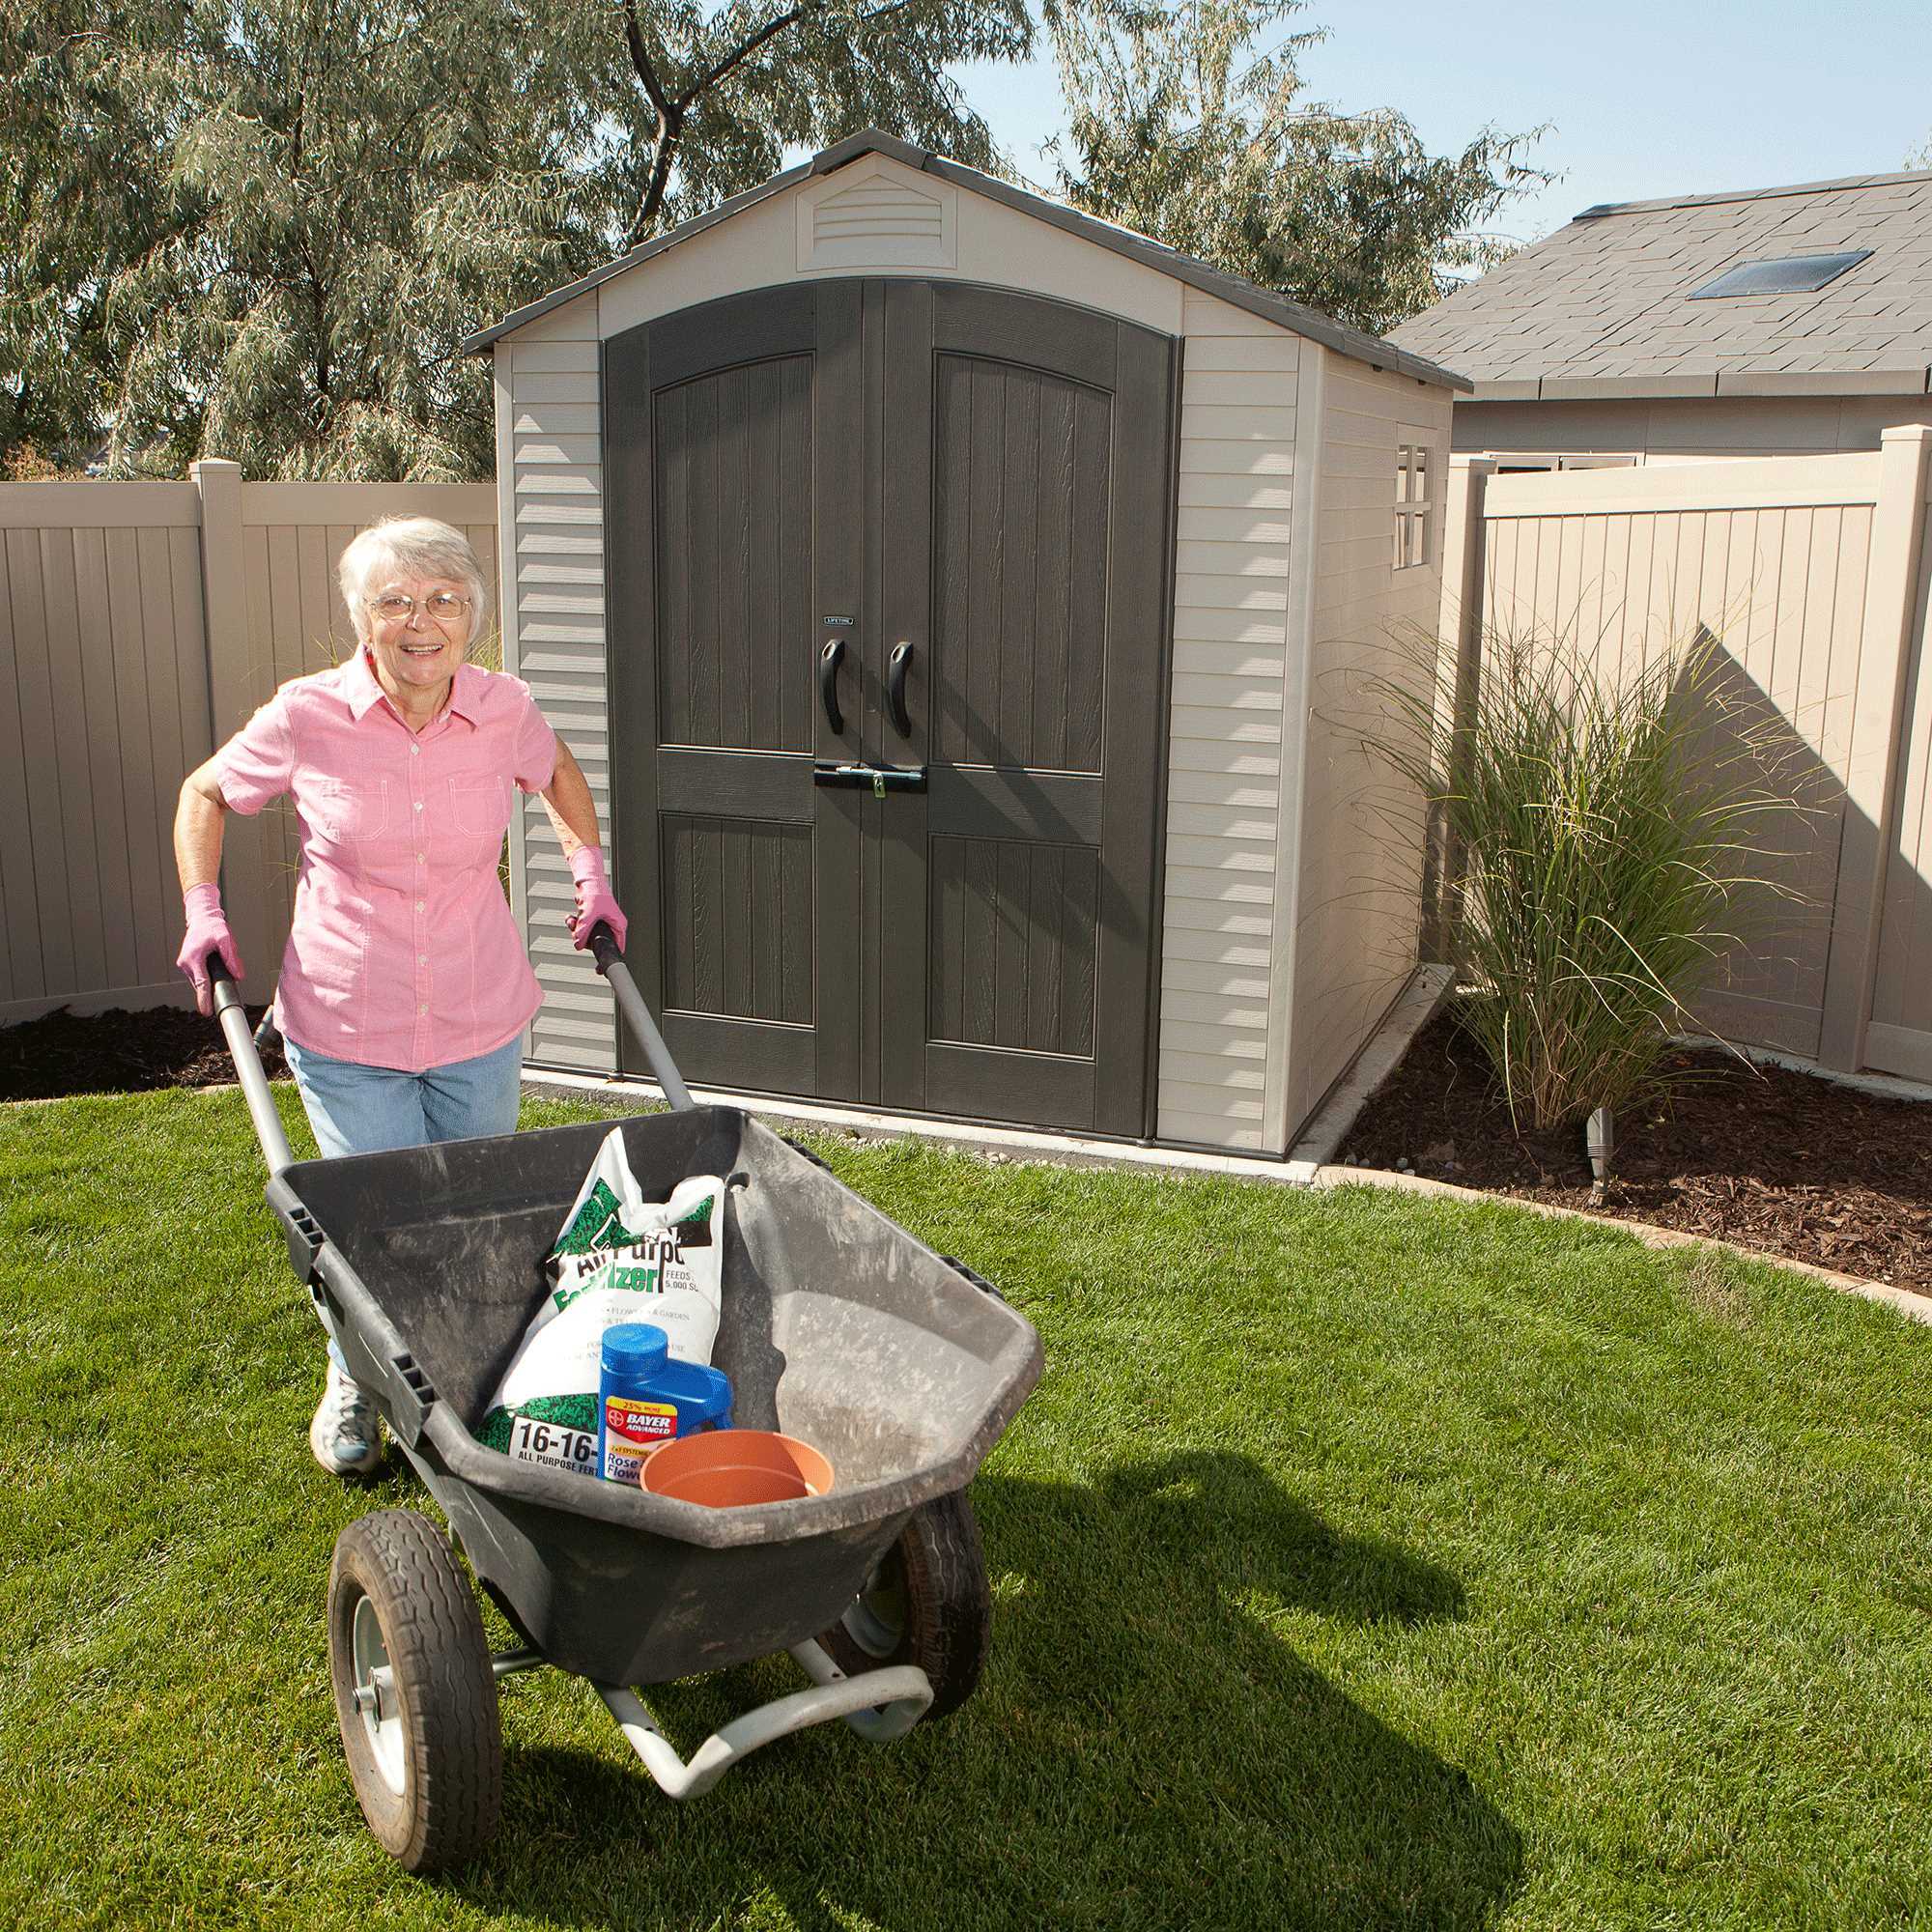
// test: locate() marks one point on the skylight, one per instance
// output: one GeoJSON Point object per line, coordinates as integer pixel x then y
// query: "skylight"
{"type": "Point", "coordinates": [1794, 274]}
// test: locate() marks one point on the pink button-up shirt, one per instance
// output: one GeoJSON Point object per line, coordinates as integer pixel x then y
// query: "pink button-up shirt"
{"type": "Point", "coordinates": [403, 951]}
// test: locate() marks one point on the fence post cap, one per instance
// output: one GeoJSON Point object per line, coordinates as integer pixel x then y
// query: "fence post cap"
{"type": "Point", "coordinates": [1907, 433]}
{"type": "Point", "coordinates": [211, 462]}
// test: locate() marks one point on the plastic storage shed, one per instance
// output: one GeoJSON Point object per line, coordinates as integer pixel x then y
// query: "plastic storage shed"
{"type": "Point", "coordinates": [953, 600]}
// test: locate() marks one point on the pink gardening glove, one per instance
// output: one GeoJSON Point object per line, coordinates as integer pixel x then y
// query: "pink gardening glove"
{"type": "Point", "coordinates": [206, 932]}
{"type": "Point", "coordinates": [593, 897]}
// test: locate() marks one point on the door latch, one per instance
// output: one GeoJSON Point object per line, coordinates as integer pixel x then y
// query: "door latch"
{"type": "Point", "coordinates": [878, 779]}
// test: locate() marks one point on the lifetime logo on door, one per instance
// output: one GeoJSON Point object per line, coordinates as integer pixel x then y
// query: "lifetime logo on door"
{"type": "Point", "coordinates": [836, 620]}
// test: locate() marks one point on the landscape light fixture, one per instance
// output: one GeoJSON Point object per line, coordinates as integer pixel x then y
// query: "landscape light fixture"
{"type": "Point", "coordinates": [1601, 1142]}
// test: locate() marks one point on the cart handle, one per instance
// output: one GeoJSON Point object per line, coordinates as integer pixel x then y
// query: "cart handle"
{"type": "Point", "coordinates": [609, 959]}
{"type": "Point", "coordinates": [234, 1018]}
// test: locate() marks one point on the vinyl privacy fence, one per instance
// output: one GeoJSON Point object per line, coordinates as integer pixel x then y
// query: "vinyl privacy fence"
{"type": "Point", "coordinates": [1812, 573]}
{"type": "Point", "coordinates": [140, 624]}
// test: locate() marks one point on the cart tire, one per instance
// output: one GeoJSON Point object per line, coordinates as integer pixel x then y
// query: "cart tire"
{"type": "Point", "coordinates": [928, 1604]}
{"type": "Point", "coordinates": [427, 1761]}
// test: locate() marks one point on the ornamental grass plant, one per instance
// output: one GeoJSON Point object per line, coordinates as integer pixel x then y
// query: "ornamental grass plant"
{"type": "Point", "coordinates": [1603, 840]}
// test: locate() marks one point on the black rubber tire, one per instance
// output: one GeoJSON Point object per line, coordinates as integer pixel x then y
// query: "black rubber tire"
{"type": "Point", "coordinates": [452, 1735]}
{"type": "Point", "coordinates": [928, 1604]}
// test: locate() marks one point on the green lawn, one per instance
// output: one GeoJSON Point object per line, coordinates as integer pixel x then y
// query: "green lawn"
{"type": "Point", "coordinates": [1360, 1561]}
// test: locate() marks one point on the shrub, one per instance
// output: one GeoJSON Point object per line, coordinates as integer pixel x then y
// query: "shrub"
{"type": "Point", "coordinates": [1605, 840]}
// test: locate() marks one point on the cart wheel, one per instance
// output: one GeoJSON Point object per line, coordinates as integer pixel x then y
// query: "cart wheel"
{"type": "Point", "coordinates": [414, 1692]}
{"type": "Point", "coordinates": [927, 1602]}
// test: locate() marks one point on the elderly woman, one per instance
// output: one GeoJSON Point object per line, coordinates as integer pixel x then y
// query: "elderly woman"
{"type": "Point", "coordinates": [405, 988]}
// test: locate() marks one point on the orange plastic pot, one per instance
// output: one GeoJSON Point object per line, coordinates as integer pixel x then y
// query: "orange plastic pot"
{"type": "Point", "coordinates": [727, 1468]}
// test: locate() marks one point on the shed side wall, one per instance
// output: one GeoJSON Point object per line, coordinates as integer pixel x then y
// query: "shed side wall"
{"type": "Point", "coordinates": [550, 482]}
{"type": "Point", "coordinates": [1234, 533]}
{"type": "Point", "coordinates": [1359, 914]}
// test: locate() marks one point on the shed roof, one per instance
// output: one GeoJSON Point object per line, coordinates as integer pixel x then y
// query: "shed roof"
{"type": "Point", "coordinates": [1311, 322]}
{"type": "Point", "coordinates": [1603, 307]}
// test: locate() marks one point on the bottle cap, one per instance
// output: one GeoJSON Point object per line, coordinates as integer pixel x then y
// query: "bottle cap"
{"type": "Point", "coordinates": [635, 1349]}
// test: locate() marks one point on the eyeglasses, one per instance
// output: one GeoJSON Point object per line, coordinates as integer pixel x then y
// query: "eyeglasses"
{"type": "Point", "coordinates": [396, 609]}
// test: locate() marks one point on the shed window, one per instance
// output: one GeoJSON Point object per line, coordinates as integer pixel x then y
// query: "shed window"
{"type": "Point", "coordinates": [1794, 275]}
{"type": "Point", "coordinates": [1413, 504]}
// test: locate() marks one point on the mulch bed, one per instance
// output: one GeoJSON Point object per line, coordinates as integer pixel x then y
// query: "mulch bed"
{"type": "Point", "coordinates": [1773, 1159]}
{"type": "Point", "coordinates": [118, 1052]}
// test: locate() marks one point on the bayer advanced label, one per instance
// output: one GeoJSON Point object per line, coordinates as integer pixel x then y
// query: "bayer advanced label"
{"type": "Point", "coordinates": [632, 1428]}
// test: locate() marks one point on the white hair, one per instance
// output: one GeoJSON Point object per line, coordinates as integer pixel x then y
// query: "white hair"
{"type": "Point", "coordinates": [411, 547]}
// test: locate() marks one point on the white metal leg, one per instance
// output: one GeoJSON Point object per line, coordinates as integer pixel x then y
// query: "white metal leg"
{"type": "Point", "coordinates": [904, 1690]}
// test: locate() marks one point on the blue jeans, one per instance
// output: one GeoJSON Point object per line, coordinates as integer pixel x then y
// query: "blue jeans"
{"type": "Point", "coordinates": [358, 1109]}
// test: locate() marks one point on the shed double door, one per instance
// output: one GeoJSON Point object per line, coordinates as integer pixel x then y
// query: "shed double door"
{"type": "Point", "coordinates": [886, 566]}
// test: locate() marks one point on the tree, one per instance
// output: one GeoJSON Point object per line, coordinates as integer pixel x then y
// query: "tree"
{"type": "Point", "coordinates": [295, 210]}
{"type": "Point", "coordinates": [1177, 131]}
{"type": "Point", "coordinates": [70, 206]}
{"type": "Point", "coordinates": [708, 105]}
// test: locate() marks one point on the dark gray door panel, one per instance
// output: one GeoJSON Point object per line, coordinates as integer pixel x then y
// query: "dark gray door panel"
{"type": "Point", "coordinates": [1029, 472]}
{"type": "Point", "coordinates": [732, 530]}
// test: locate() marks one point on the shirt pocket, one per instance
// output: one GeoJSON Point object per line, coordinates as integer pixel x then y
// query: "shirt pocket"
{"type": "Point", "coordinates": [350, 813]}
{"type": "Point", "coordinates": [479, 806]}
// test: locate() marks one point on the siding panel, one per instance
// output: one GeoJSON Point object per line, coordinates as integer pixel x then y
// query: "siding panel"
{"type": "Point", "coordinates": [550, 483]}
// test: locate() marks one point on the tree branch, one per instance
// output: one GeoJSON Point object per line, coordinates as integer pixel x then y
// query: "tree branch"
{"type": "Point", "coordinates": [743, 52]}
{"type": "Point", "coordinates": [641, 59]}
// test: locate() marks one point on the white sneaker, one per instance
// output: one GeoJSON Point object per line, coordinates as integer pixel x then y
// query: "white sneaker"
{"type": "Point", "coordinates": [347, 1433]}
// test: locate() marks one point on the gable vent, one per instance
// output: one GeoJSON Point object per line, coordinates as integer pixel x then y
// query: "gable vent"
{"type": "Point", "coordinates": [880, 222]}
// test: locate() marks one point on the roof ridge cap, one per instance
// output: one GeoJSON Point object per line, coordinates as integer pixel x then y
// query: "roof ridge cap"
{"type": "Point", "coordinates": [1599, 209]}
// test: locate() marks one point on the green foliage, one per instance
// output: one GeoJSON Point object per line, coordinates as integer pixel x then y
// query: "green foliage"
{"type": "Point", "coordinates": [1611, 837]}
{"type": "Point", "coordinates": [1179, 132]}
{"type": "Point", "coordinates": [72, 206]}
{"type": "Point", "coordinates": [260, 229]}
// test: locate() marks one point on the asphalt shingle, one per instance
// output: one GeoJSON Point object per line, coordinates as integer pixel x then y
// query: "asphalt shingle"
{"type": "Point", "coordinates": [1607, 298]}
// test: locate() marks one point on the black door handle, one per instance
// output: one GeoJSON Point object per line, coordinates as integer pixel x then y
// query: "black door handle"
{"type": "Point", "coordinates": [896, 690]}
{"type": "Point", "coordinates": [828, 683]}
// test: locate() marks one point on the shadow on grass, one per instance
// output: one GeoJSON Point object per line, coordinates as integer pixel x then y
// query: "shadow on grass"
{"type": "Point", "coordinates": [1145, 1749]}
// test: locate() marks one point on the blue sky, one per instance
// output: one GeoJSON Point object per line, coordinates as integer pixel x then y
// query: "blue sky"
{"type": "Point", "coordinates": [1647, 98]}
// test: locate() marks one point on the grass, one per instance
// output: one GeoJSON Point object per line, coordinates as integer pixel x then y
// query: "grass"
{"type": "Point", "coordinates": [1359, 1562]}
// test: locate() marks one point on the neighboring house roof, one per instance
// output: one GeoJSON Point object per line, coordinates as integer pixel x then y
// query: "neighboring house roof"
{"type": "Point", "coordinates": [1311, 322]}
{"type": "Point", "coordinates": [1603, 307]}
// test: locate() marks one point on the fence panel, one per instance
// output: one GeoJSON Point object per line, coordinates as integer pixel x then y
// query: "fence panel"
{"type": "Point", "coordinates": [103, 705]}
{"type": "Point", "coordinates": [1804, 569]}
{"type": "Point", "coordinates": [1900, 1038]}
{"type": "Point", "coordinates": [140, 623]}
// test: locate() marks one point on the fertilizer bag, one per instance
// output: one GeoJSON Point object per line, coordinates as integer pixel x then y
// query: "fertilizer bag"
{"type": "Point", "coordinates": [618, 1258]}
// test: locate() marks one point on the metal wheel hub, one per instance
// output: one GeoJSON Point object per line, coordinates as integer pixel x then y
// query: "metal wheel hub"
{"type": "Point", "coordinates": [876, 1621]}
{"type": "Point", "coordinates": [375, 1694]}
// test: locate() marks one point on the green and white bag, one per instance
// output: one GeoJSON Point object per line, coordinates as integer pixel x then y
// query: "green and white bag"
{"type": "Point", "coordinates": [619, 1257]}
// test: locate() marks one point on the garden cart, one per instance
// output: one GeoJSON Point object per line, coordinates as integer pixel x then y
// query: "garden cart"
{"type": "Point", "coordinates": [837, 1328]}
